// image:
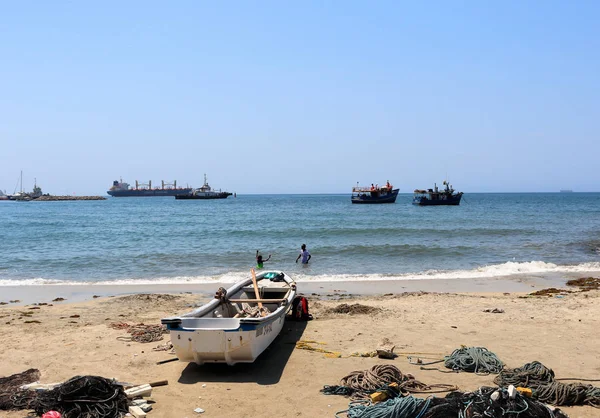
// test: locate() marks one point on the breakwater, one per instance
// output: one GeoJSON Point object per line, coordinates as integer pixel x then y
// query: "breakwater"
{"type": "Point", "coordinates": [62, 198]}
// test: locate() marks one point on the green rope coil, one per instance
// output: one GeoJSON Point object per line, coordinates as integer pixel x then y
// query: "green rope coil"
{"type": "Point", "coordinates": [475, 360]}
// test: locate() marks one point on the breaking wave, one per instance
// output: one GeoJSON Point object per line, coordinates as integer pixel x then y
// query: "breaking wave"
{"type": "Point", "coordinates": [489, 271]}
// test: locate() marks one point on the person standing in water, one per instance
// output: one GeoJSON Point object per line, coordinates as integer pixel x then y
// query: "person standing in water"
{"type": "Point", "coordinates": [260, 261]}
{"type": "Point", "coordinates": [304, 254]}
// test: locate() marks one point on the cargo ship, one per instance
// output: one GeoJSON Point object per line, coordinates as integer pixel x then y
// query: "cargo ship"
{"type": "Point", "coordinates": [122, 189]}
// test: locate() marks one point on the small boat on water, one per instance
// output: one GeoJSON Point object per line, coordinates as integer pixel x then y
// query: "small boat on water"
{"type": "Point", "coordinates": [238, 324]}
{"type": "Point", "coordinates": [204, 192]}
{"type": "Point", "coordinates": [374, 194]}
{"type": "Point", "coordinates": [436, 197]}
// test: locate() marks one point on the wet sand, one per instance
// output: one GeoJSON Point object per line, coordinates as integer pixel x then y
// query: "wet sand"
{"type": "Point", "coordinates": [78, 293]}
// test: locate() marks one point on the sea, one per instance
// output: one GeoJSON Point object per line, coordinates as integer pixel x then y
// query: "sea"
{"type": "Point", "coordinates": [160, 240]}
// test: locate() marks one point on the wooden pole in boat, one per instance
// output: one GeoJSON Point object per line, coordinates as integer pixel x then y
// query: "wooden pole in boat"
{"type": "Point", "coordinates": [256, 292]}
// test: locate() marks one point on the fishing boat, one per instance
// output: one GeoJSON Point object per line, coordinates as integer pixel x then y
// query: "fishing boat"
{"type": "Point", "coordinates": [374, 194]}
{"type": "Point", "coordinates": [204, 192]}
{"type": "Point", "coordinates": [238, 324]}
{"type": "Point", "coordinates": [436, 197]}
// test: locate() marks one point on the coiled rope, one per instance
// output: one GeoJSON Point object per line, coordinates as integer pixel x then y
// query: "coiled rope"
{"type": "Point", "coordinates": [408, 407]}
{"type": "Point", "coordinates": [475, 360]}
{"type": "Point", "coordinates": [546, 388]}
{"type": "Point", "coordinates": [360, 384]}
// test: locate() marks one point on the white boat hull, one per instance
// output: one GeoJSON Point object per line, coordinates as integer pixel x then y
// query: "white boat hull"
{"type": "Point", "coordinates": [229, 346]}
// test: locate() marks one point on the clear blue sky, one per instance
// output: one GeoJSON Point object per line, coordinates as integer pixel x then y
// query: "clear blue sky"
{"type": "Point", "coordinates": [300, 97]}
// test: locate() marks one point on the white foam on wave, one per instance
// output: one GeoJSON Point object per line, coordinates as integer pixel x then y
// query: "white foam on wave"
{"type": "Point", "coordinates": [510, 268]}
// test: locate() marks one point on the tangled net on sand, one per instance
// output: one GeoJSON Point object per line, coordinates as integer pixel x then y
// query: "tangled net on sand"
{"type": "Point", "coordinates": [78, 397]}
{"type": "Point", "coordinates": [141, 333]}
{"type": "Point", "coordinates": [9, 386]}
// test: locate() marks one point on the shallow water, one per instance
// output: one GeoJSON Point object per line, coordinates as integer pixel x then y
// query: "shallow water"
{"type": "Point", "coordinates": [163, 240]}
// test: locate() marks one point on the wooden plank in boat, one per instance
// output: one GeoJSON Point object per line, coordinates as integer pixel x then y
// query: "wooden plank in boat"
{"type": "Point", "coordinates": [256, 300]}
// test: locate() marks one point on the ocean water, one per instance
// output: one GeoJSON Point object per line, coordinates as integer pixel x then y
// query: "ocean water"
{"type": "Point", "coordinates": [163, 240]}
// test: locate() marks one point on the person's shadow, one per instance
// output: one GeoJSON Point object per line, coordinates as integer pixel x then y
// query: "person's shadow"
{"type": "Point", "coordinates": [266, 369]}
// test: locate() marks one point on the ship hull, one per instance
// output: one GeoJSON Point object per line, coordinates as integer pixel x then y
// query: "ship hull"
{"type": "Point", "coordinates": [222, 195]}
{"type": "Point", "coordinates": [149, 193]}
{"type": "Point", "coordinates": [424, 201]}
{"type": "Point", "coordinates": [368, 199]}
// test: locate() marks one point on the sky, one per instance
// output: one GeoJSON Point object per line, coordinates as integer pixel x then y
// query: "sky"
{"type": "Point", "coordinates": [300, 97]}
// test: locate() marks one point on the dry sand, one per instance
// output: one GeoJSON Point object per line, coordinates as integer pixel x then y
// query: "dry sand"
{"type": "Point", "coordinates": [561, 332]}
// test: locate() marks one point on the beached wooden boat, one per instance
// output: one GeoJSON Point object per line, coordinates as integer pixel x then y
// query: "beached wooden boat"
{"type": "Point", "coordinates": [238, 324]}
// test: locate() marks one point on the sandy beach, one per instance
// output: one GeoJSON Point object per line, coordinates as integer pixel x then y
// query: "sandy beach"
{"type": "Point", "coordinates": [71, 338]}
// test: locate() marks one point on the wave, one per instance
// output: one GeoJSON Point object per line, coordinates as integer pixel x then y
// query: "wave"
{"type": "Point", "coordinates": [490, 271]}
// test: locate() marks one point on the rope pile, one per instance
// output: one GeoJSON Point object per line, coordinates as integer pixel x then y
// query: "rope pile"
{"type": "Point", "coordinates": [474, 360]}
{"type": "Point", "coordinates": [360, 384]}
{"type": "Point", "coordinates": [141, 333]}
{"type": "Point", "coordinates": [546, 388]}
{"type": "Point", "coordinates": [408, 407]}
{"type": "Point", "coordinates": [78, 397]}
{"type": "Point", "coordinates": [9, 387]}
{"type": "Point", "coordinates": [480, 404]}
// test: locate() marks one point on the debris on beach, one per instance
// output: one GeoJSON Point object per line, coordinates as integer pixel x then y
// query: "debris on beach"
{"type": "Point", "coordinates": [58, 300]}
{"type": "Point", "coordinates": [552, 291]}
{"type": "Point", "coordinates": [310, 345]}
{"type": "Point", "coordinates": [585, 283]}
{"type": "Point", "coordinates": [141, 333]}
{"type": "Point", "coordinates": [164, 347]}
{"type": "Point", "coordinates": [147, 297]}
{"type": "Point", "coordinates": [495, 310]}
{"type": "Point", "coordinates": [386, 349]}
{"type": "Point", "coordinates": [353, 309]}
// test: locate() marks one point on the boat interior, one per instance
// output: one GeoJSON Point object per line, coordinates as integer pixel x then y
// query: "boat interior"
{"type": "Point", "coordinates": [271, 292]}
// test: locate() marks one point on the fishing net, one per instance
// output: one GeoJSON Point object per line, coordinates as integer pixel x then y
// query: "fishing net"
{"type": "Point", "coordinates": [78, 397]}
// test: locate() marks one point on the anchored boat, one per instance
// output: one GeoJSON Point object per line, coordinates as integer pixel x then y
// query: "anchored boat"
{"type": "Point", "coordinates": [238, 324]}
{"type": "Point", "coordinates": [374, 194]}
{"type": "Point", "coordinates": [436, 197]}
{"type": "Point", "coordinates": [122, 189]}
{"type": "Point", "coordinates": [204, 192]}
